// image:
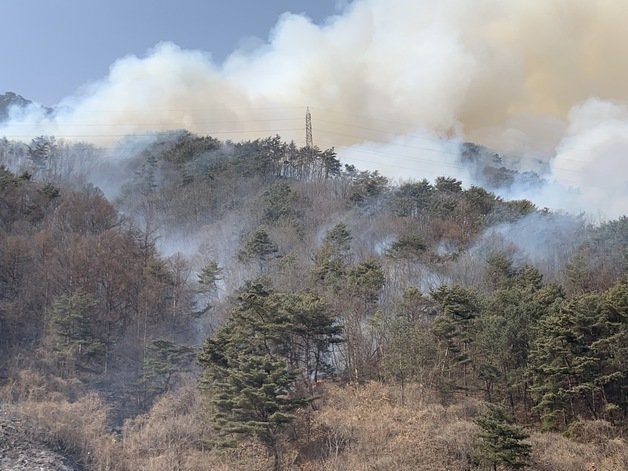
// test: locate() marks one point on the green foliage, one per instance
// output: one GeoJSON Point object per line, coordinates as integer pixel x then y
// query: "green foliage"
{"type": "Point", "coordinates": [500, 441]}
{"type": "Point", "coordinates": [76, 327]}
{"type": "Point", "coordinates": [330, 163]}
{"type": "Point", "coordinates": [259, 246]}
{"type": "Point", "coordinates": [412, 199]}
{"type": "Point", "coordinates": [7, 178]}
{"type": "Point", "coordinates": [209, 276]}
{"type": "Point", "coordinates": [408, 348]}
{"type": "Point", "coordinates": [311, 329]}
{"type": "Point", "coordinates": [164, 359]}
{"type": "Point", "coordinates": [365, 280]}
{"type": "Point", "coordinates": [579, 275]}
{"type": "Point", "coordinates": [503, 331]}
{"type": "Point", "coordinates": [367, 185]}
{"type": "Point", "coordinates": [520, 207]}
{"type": "Point", "coordinates": [79, 282]}
{"type": "Point", "coordinates": [448, 185]}
{"type": "Point", "coordinates": [251, 365]}
{"type": "Point", "coordinates": [280, 202]}
{"type": "Point", "coordinates": [601, 259]}
{"type": "Point", "coordinates": [578, 359]}
{"type": "Point", "coordinates": [50, 191]}
{"type": "Point", "coordinates": [453, 328]}
{"type": "Point", "coordinates": [456, 302]}
{"type": "Point", "coordinates": [482, 201]}
{"type": "Point", "coordinates": [499, 270]}
{"type": "Point", "coordinates": [331, 259]}
{"type": "Point", "coordinates": [188, 147]}
{"type": "Point", "coordinates": [41, 150]}
{"type": "Point", "coordinates": [408, 247]}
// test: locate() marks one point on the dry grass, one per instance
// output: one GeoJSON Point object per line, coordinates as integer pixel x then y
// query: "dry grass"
{"type": "Point", "coordinates": [555, 452]}
{"type": "Point", "coordinates": [353, 428]}
{"type": "Point", "coordinates": [78, 429]}
{"type": "Point", "coordinates": [365, 428]}
{"type": "Point", "coordinates": [175, 435]}
{"type": "Point", "coordinates": [30, 385]}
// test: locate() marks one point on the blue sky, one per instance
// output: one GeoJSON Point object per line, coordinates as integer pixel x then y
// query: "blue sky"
{"type": "Point", "coordinates": [49, 48]}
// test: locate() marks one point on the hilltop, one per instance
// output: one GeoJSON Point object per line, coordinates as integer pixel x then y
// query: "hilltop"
{"type": "Point", "coordinates": [167, 297]}
{"type": "Point", "coordinates": [10, 99]}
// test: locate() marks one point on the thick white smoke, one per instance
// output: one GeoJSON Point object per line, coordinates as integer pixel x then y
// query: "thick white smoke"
{"type": "Point", "coordinates": [546, 79]}
{"type": "Point", "coordinates": [593, 157]}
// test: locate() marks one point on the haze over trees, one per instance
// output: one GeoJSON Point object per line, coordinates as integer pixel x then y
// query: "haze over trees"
{"type": "Point", "coordinates": [255, 305]}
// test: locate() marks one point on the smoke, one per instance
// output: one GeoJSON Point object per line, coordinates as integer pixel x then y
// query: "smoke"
{"type": "Point", "coordinates": [544, 79]}
{"type": "Point", "coordinates": [592, 157]}
{"type": "Point", "coordinates": [416, 155]}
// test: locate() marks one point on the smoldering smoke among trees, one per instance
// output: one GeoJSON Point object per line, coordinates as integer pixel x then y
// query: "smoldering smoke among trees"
{"type": "Point", "coordinates": [301, 282]}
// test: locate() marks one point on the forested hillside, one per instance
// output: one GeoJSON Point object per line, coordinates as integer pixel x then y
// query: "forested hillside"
{"type": "Point", "coordinates": [194, 304]}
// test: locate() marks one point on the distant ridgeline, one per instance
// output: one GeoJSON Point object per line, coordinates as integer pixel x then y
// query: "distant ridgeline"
{"type": "Point", "coordinates": [494, 171]}
{"type": "Point", "coordinates": [10, 99]}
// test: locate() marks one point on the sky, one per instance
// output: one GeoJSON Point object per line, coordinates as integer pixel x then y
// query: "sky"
{"type": "Point", "coordinates": [49, 48]}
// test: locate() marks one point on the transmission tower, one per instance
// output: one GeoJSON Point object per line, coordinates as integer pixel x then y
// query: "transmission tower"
{"type": "Point", "coordinates": [309, 142]}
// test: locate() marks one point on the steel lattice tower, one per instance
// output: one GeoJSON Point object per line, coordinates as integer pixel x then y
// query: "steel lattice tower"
{"type": "Point", "coordinates": [309, 142]}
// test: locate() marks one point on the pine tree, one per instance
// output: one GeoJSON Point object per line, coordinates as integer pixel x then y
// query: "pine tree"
{"type": "Point", "coordinates": [249, 364]}
{"type": "Point", "coordinates": [452, 328]}
{"type": "Point", "coordinates": [208, 280]}
{"type": "Point", "coordinates": [209, 276]}
{"type": "Point", "coordinates": [500, 441]}
{"type": "Point", "coordinates": [252, 393]}
{"type": "Point", "coordinates": [259, 246]}
{"type": "Point", "coordinates": [76, 328]}
{"type": "Point", "coordinates": [331, 260]}
{"type": "Point", "coordinates": [163, 360]}
{"type": "Point", "coordinates": [310, 331]}
{"type": "Point", "coordinates": [578, 360]}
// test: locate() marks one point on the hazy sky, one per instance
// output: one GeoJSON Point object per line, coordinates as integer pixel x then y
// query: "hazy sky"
{"type": "Point", "coordinates": [48, 48]}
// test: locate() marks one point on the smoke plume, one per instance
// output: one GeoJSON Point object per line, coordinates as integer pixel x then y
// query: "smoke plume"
{"type": "Point", "coordinates": [543, 79]}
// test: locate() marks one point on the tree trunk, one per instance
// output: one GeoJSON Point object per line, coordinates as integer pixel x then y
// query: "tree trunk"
{"type": "Point", "coordinates": [276, 457]}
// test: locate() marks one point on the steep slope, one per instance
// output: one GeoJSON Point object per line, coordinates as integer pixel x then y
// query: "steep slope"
{"type": "Point", "coordinates": [10, 99]}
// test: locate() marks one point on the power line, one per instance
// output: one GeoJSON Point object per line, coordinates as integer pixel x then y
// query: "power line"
{"type": "Point", "coordinates": [155, 133]}
{"type": "Point", "coordinates": [276, 130]}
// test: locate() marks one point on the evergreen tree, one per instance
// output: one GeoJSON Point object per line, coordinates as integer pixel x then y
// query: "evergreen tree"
{"type": "Point", "coordinates": [208, 280]}
{"type": "Point", "coordinates": [412, 199]}
{"type": "Point", "coordinates": [408, 348]}
{"type": "Point", "coordinates": [331, 260]}
{"type": "Point", "coordinates": [259, 246]}
{"type": "Point", "coordinates": [76, 327]}
{"type": "Point", "coordinates": [163, 360]}
{"type": "Point", "coordinates": [500, 441]}
{"type": "Point", "coordinates": [251, 366]}
{"type": "Point", "coordinates": [578, 360]}
{"type": "Point", "coordinates": [252, 392]}
{"type": "Point", "coordinates": [280, 202]}
{"type": "Point", "coordinates": [408, 247]}
{"type": "Point", "coordinates": [311, 330]}
{"type": "Point", "coordinates": [365, 281]}
{"type": "Point", "coordinates": [503, 333]}
{"type": "Point", "coordinates": [209, 276]}
{"type": "Point", "coordinates": [453, 328]}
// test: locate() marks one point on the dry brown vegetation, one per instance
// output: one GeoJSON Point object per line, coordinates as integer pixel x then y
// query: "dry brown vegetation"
{"type": "Point", "coordinates": [107, 330]}
{"type": "Point", "coordinates": [354, 427]}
